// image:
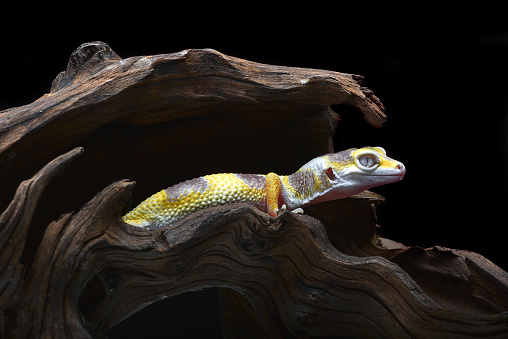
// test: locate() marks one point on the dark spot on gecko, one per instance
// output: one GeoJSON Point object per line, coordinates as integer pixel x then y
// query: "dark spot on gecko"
{"type": "Point", "coordinates": [253, 180]}
{"type": "Point", "coordinates": [198, 185]}
{"type": "Point", "coordinates": [341, 157]}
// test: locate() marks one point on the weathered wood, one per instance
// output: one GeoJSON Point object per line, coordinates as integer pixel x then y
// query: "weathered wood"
{"type": "Point", "coordinates": [14, 226]}
{"type": "Point", "coordinates": [162, 119]}
{"type": "Point", "coordinates": [99, 270]}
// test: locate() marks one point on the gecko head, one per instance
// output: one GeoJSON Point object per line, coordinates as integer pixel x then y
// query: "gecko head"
{"type": "Point", "coordinates": [357, 169]}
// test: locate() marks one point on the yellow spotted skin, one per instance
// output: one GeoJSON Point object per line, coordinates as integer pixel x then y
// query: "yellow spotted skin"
{"type": "Point", "coordinates": [142, 215]}
{"type": "Point", "coordinates": [174, 203]}
{"type": "Point", "coordinates": [328, 177]}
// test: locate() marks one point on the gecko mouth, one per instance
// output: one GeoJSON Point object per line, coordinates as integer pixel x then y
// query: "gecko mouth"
{"type": "Point", "coordinates": [393, 177]}
{"type": "Point", "coordinates": [390, 175]}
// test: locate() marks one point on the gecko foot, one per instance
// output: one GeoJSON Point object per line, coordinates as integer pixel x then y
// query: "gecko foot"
{"type": "Point", "coordinates": [298, 210]}
{"type": "Point", "coordinates": [283, 208]}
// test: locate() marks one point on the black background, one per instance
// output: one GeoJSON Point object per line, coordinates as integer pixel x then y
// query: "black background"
{"type": "Point", "coordinates": [442, 75]}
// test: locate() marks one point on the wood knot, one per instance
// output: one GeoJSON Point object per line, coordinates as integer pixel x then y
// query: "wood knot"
{"type": "Point", "coordinates": [88, 58]}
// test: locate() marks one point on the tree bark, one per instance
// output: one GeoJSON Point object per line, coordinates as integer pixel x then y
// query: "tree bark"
{"type": "Point", "coordinates": [162, 119]}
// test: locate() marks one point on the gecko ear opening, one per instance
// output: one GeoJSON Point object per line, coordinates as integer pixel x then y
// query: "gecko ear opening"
{"type": "Point", "coordinates": [330, 174]}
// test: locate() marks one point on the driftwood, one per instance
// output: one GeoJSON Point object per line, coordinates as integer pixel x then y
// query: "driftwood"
{"type": "Point", "coordinates": [166, 118]}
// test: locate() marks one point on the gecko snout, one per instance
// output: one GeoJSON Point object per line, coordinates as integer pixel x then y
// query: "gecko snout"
{"type": "Point", "coordinates": [401, 168]}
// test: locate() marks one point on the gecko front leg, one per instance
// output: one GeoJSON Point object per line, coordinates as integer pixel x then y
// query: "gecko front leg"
{"type": "Point", "coordinates": [273, 187]}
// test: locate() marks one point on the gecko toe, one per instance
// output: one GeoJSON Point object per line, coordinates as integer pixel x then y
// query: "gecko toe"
{"type": "Point", "coordinates": [298, 210]}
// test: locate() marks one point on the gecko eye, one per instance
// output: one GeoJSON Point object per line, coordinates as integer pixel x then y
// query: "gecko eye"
{"type": "Point", "coordinates": [367, 162]}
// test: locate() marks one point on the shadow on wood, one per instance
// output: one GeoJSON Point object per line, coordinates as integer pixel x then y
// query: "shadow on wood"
{"type": "Point", "coordinates": [166, 118]}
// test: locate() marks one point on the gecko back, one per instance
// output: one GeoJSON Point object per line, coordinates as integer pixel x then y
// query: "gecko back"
{"type": "Point", "coordinates": [178, 201]}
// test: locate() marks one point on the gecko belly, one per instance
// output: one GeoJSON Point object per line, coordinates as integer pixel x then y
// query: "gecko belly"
{"type": "Point", "coordinates": [178, 201]}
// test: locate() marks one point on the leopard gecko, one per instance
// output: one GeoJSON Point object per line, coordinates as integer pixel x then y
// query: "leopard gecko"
{"type": "Point", "coordinates": [328, 177]}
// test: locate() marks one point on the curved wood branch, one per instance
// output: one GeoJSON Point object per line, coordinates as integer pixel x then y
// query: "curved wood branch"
{"type": "Point", "coordinates": [110, 269]}
{"type": "Point", "coordinates": [15, 223]}
{"type": "Point", "coordinates": [325, 273]}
